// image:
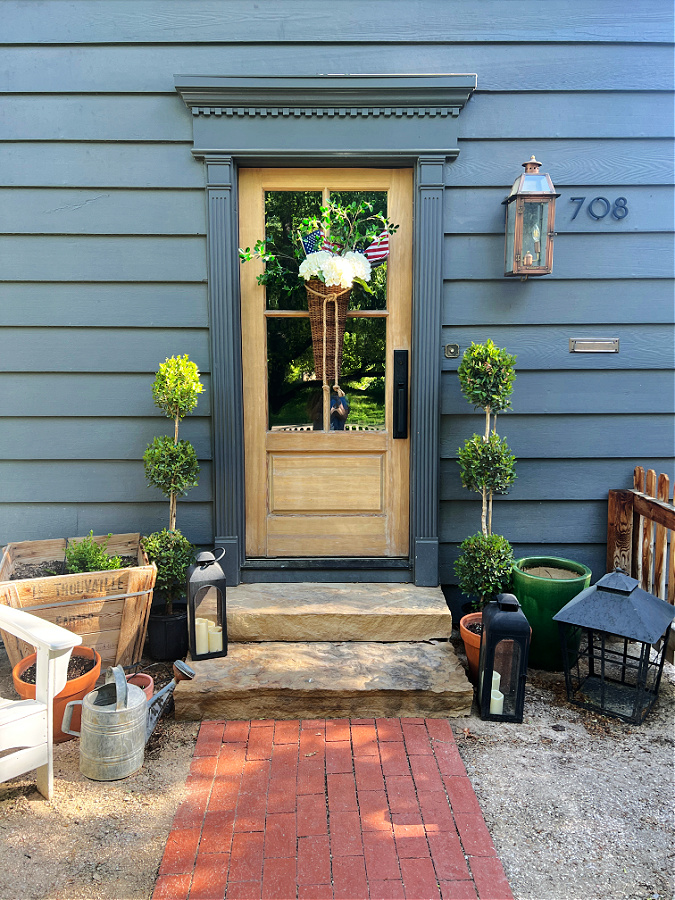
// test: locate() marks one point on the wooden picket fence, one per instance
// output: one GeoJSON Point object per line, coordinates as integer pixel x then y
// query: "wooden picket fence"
{"type": "Point", "coordinates": [641, 535]}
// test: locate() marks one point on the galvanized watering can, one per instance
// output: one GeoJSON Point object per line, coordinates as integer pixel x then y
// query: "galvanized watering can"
{"type": "Point", "coordinates": [117, 722]}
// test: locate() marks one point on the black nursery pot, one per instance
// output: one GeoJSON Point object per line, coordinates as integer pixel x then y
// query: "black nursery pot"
{"type": "Point", "coordinates": [168, 635]}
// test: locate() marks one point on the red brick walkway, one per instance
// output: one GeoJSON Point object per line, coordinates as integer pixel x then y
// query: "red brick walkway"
{"type": "Point", "coordinates": [345, 809]}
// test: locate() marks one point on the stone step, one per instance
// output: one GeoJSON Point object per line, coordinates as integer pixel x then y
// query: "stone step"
{"type": "Point", "coordinates": [335, 612]}
{"type": "Point", "coordinates": [317, 680]}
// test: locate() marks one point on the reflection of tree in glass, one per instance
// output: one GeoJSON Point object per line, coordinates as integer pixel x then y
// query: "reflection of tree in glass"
{"type": "Point", "coordinates": [290, 363]}
{"type": "Point", "coordinates": [363, 369]}
{"type": "Point", "coordinates": [289, 356]}
{"type": "Point", "coordinates": [360, 298]}
{"type": "Point", "coordinates": [284, 213]}
{"type": "Point", "coordinates": [291, 377]}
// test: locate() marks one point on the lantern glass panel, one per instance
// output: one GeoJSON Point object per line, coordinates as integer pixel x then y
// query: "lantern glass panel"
{"type": "Point", "coordinates": [534, 233]}
{"type": "Point", "coordinates": [609, 674]}
{"type": "Point", "coordinates": [507, 666]}
{"type": "Point", "coordinates": [208, 620]}
{"type": "Point", "coordinates": [509, 262]}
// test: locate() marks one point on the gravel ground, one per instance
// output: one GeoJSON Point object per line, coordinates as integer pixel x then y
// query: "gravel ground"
{"type": "Point", "coordinates": [580, 807]}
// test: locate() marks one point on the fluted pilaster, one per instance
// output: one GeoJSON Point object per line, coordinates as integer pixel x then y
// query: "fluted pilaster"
{"type": "Point", "coordinates": [426, 369]}
{"type": "Point", "coordinates": [225, 332]}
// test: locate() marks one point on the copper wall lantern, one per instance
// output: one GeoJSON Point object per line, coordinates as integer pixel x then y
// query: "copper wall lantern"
{"type": "Point", "coordinates": [530, 221]}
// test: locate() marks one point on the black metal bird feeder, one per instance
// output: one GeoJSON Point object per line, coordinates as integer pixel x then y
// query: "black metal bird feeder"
{"type": "Point", "coordinates": [502, 668]}
{"type": "Point", "coordinates": [207, 617]}
{"type": "Point", "coordinates": [614, 637]}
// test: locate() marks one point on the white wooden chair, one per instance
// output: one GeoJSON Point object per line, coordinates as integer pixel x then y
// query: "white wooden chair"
{"type": "Point", "coordinates": [26, 726]}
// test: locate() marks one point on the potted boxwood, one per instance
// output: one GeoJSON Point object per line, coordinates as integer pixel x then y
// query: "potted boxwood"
{"type": "Point", "coordinates": [171, 466]}
{"type": "Point", "coordinates": [172, 553]}
{"type": "Point", "coordinates": [486, 376]}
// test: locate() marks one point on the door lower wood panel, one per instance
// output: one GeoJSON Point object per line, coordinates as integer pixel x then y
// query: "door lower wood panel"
{"type": "Point", "coordinates": [314, 483]}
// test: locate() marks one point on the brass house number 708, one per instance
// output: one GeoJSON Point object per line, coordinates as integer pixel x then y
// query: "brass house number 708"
{"type": "Point", "coordinates": [599, 207]}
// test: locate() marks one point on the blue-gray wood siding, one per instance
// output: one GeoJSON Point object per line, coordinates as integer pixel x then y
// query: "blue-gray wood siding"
{"type": "Point", "coordinates": [103, 247]}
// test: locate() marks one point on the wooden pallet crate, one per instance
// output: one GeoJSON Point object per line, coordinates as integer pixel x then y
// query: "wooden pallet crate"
{"type": "Point", "coordinates": [109, 610]}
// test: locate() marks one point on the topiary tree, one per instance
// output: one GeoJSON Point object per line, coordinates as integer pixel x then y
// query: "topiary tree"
{"type": "Point", "coordinates": [486, 376]}
{"type": "Point", "coordinates": [172, 553]}
{"type": "Point", "coordinates": [171, 464]}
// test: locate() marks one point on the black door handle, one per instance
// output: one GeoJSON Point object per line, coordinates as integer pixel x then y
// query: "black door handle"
{"type": "Point", "coordinates": [400, 393]}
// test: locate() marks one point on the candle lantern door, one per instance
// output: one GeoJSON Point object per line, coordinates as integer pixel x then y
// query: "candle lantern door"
{"type": "Point", "coordinates": [502, 669]}
{"type": "Point", "coordinates": [207, 617]}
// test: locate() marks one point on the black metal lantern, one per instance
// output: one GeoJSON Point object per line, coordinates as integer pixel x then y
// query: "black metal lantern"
{"type": "Point", "coordinates": [207, 617]}
{"type": "Point", "coordinates": [608, 635]}
{"type": "Point", "coordinates": [502, 669]}
{"type": "Point", "coordinates": [530, 222]}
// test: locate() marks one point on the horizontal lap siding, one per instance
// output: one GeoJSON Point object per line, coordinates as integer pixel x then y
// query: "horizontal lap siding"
{"type": "Point", "coordinates": [104, 260]}
{"type": "Point", "coordinates": [272, 22]}
{"type": "Point", "coordinates": [580, 422]}
{"type": "Point", "coordinates": [148, 68]}
{"type": "Point", "coordinates": [103, 276]}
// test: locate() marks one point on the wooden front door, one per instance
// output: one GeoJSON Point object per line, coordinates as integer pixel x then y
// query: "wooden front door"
{"type": "Point", "coordinates": [343, 491]}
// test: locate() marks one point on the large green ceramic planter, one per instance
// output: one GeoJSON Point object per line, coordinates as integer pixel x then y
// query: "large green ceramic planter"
{"type": "Point", "coordinates": [543, 590]}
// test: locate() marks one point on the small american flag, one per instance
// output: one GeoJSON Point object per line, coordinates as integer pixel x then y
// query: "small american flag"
{"type": "Point", "coordinates": [313, 241]}
{"type": "Point", "coordinates": [330, 246]}
{"type": "Point", "coordinates": [378, 251]}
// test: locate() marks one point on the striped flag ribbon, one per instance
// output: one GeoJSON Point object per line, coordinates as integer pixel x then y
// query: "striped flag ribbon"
{"type": "Point", "coordinates": [378, 251]}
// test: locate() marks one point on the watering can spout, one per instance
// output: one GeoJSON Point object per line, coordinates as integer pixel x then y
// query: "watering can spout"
{"type": "Point", "coordinates": [156, 706]}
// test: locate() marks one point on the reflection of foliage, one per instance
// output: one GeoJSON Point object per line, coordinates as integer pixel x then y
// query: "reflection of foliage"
{"type": "Point", "coordinates": [290, 361]}
{"type": "Point", "coordinates": [289, 355]}
{"type": "Point", "coordinates": [284, 213]}
{"type": "Point", "coordinates": [364, 349]}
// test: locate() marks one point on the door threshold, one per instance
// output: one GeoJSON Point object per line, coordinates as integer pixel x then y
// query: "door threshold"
{"type": "Point", "coordinates": [327, 562]}
{"type": "Point", "coordinates": [327, 570]}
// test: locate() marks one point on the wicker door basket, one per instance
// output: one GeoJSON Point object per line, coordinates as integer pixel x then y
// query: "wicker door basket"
{"type": "Point", "coordinates": [324, 301]}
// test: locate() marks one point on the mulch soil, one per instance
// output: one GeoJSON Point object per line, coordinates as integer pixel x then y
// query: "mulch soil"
{"type": "Point", "coordinates": [53, 567]}
{"type": "Point", "coordinates": [77, 666]}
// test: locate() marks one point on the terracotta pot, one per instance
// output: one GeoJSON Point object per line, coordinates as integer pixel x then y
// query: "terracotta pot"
{"type": "Point", "coordinates": [75, 689]}
{"type": "Point", "coordinates": [145, 682]}
{"type": "Point", "coordinates": [471, 642]}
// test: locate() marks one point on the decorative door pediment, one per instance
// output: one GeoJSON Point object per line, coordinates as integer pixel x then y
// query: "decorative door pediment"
{"type": "Point", "coordinates": [397, 117]}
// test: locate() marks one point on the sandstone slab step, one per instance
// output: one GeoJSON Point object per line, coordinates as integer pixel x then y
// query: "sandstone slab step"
{"type": "Point", "coordinates": [336, 612]}
{"type": "Point", "coordinates": [290, 680]}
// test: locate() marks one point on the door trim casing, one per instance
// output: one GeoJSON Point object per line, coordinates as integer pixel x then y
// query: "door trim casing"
{"type": "Point", "coordinates": [359, 128]}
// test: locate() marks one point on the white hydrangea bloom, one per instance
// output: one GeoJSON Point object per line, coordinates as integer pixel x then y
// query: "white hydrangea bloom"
{"type": "Point", "coordinates": [339, 271]}
{"type": "Point", "coordinates": [334, 269]}
{"type": "Point", "coordinates": [360, 265]}
{"type": "Point", "coordinates": [313, 264]}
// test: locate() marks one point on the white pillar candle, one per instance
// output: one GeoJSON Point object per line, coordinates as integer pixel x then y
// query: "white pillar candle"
{"type": "Point", "coordinates": [496, 703]}
{"type": "Point", "coordinates": [496, 679]}
{"type": "Point", "coordinates": [215, 638]}
{"type": "Point", "coordinates": [201, 636]}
